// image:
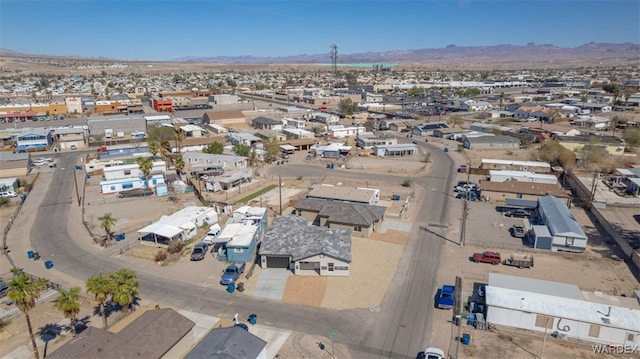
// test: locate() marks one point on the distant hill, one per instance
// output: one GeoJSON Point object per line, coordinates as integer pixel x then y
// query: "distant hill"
{"type": "Point", "coordinates": [452, 53]}
{"type": "Point", "coordinates": [523, 55]}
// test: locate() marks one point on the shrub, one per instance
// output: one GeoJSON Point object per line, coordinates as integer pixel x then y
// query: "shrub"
{"type": "Point", "coordinates": [161, 256]}
{"type": "Point", "coordinates": [407, 183]}
{"type": "Point", "coordinates": [175, 247]}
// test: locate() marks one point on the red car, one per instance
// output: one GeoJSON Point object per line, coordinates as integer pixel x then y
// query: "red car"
{"type": "Point", "coordinates": [487, 257]}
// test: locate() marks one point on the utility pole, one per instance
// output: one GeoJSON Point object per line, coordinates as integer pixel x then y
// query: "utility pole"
{"type": "Point", "coordinates": [280, 193]}
{"type": "Point", "coordinates": [594, 186]}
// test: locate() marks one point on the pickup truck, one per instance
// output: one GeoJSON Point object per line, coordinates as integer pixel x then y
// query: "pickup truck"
{"type": "Point", "coordinates": [446, 298]}
{"type": "Point", "coordinates": [232, 273]}
{"type": "Point", "coordinates": [519, 260]}
{"type": "Point", "coordinates": [518, 231]}
{"type": "Point", "coordinates": [487, 257]}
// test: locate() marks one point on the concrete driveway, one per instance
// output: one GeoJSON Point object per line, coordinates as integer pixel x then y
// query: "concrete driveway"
{"type": "Point", "coordinates": [272, 283]}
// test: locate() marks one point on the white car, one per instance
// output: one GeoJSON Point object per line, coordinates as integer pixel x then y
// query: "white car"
{"type": "Point", "coordinates": [8, 194]}
{"type": "Point", "coordinates": [434, 353]}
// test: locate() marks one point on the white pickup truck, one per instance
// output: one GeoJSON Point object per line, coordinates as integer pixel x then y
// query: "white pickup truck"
{"type": "Point", "coordinates": [214, 232]}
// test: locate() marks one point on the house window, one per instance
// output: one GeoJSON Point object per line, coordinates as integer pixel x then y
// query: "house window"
{"type": "Point", "coordinates": [113, 188]}
{"type": "Point", "coordinates": [519, 195]}
{"type": "Point", "coordinates": [594, 330]}
{"type": "Point", "coordinates": [631, 337]}
{"type": "Point", "coordinates": [330, 267]}
{"type": "Point", "coordinates": [357, 228]}
{"type": "Point", "coordinates": [127, 185]}
{"type": "Point", "coordinates": [569, 242]}
{"type": "Point", "coordinates": [127, 172]}
{"type": "Point", "coordinates": [544, 321]}
{"type": "Point", "coordinates": [237, 250]}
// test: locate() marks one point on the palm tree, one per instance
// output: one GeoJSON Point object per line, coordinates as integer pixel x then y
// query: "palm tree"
{"type": "Point", "coordinates": [179, 163]}
{"type": "Point", "coordinates": [179, 139]}
{"type": "Point", "coordinates": [107, 222]}
{"type": "Point", "coordinates": [23, 291]}
{"type": "Point", "coordinates": [125, 288]}
{"type": "Point", "coordinates": [67, 302]}
{"type": "Point", "coordinates": [101, 287]}
{"type": "Point", "coordinates": [154, 148]}
{"type": "Point", "coordinates": [145, 165]}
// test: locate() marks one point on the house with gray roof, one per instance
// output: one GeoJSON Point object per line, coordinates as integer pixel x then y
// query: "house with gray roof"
{"type": "Point", "coordinates": [290, 243]}
{"type": "Point", "coordinates": [230, 342]}
{"type": "Point", "coordinates": [265, 123]}
{"type": "Point", "coordinates": [14, 164]}
{"type": "Point", "coordinates": [565, 233]}
{"type": "Point", "coordinates": [362, 219]}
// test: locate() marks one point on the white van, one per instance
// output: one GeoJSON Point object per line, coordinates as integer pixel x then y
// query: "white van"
{"type": "Point", "coordinates": [213, 233]}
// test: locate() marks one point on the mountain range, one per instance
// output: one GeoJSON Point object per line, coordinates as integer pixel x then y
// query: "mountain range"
{"type": "Point", "coordinates": [590, 53]}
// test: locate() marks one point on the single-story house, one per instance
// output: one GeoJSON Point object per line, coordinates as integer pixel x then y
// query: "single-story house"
{"type": "Point", "coordinates": [181, 225]}
{"type": "Point", "coordinates": [500, 192]}
{"type": "Point", "coordinates": [513, 165]}
{"type": "Point", "coordinates": [428, 129]}
{"type": "Point", "coordinates": [298, 133]}
{"type": "Point", "coordinates": [344, 194]}
{"type": "Point", "coordinates": [397, 150]}
{"type": "Point", "coordinates": [243, 138]}
{"type": "Point", "coordinates": [70, 138]}
{"type": "Point", "coordinates": [448, 133]}
{"type": "Point", "coordinates": [217, 129]}
{"type": "Point", "coordinates": [332, 150]}
{"type": "Point", "coordinates": [521, 176]}
{"type": "Point", "coordinates": [193, 131]}
{"type": "Point", "coordinates": [294, 123]}
{"type": "Point", "coordinates": [134, 340]}
{"type": "Point", "coordinates": [230, 342]}
{"type": "Point", "coordinates": [193, 144]}
{"type": "Point", "coordinates": [367, 140]}
{"type": "Point", "coordinates": [120, 171]}
{"type": "Point", "coordinates": [594, 122]}
{"type": "Point", "coordinates": [404, 126]}
{"type": "Point", "coordinates": [326, 118]}
{"type": "Point", "coordinates": [265, 123]}
{"type": "Point", "coordinates": [197, 160]}
{"type": "Point", "coordinates": [228, 180]}
{"type": "Point", "coordinates": [238, 239]}
{"type": "Point", "coordinates": [158, 120]}
{"type": "Point", "coordinates": [9, 184]}
{"type": "Point", "coordinates": [14, 164]}
{"type": "Point", "coordinates": [34, 139]}
{"type": "Point", "coordinates": [362, 219]}
{"type": "Point", "coordinates": [490, 143]}
{"type": "Point", "coordinates": [300, 145]}
{"type": "Point", "coordinates": [290, 243]}
{"type": "Point", "coordinates": [126, 183]}
{"type": "Point", "coordinates": [562, 310]}
{"type": "Point", "coordinates": [340, 131]}
{"type": "Point", "coordinates": [566, 233]}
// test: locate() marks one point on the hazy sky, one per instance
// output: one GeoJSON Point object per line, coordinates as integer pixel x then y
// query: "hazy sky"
{"type": "Point", "coordinates": [167, 29]}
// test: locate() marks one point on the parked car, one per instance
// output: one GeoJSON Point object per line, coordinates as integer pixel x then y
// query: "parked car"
{"type": "Point", "coordinates": [446, 297]}
{"type": "Point", "coordinates": [8, 194]}
{"type": "Point", "coordinates": [199, 251]}
{"type": "Point", "coordinates": [466, 187]}
{"type": "Point", "coordinates": [518, 231]}
{"type": "Point", "coordinates": [431, 353]}
{"type": "Point", "coordinates": [487, 257]}
{"type": "Point", "coordinates": [518, 213]}
{"type": "Point", "coordinates": [462, 169]}
{"type": "Point", "coordinates": [4, 289]}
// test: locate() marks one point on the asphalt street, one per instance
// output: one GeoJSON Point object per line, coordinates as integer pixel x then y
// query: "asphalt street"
{"type": "Point", "coordinates": [399, 330]}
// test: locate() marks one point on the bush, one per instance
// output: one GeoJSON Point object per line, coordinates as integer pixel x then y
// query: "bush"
{"type": "Point", "coordinates": [407, 183]}
{"type": "Point", "coordinates": [175, 247]}
{"type": "Point", "coordinates": [161, 256]}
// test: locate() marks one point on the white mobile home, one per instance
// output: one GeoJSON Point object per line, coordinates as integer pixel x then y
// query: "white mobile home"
{"type": "Point", "coordinates": [123, 184]}
{"type": "Point", "coordinates": [561, 309]}
{"type": "Point", "coordinates": [567, 235]}
{"type": "Point", "coordinates": [521, 176]}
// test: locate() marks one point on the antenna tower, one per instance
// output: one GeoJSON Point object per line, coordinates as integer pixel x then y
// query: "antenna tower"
{"type": "Point", "coordinates": [334, 60]}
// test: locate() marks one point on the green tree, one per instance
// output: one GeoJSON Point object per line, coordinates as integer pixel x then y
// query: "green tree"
{"type": "Point", "coordinates": [319, 130]}
{"type": "Point", "coordinates": [179, 163]}
{"type": "Point", "coordinates": [214, 148]}
{"type": "Point", "coordinates": [415, 91]}
{"type": "Point", "coordinates": [347, 107]}
{"type": "Point", "coordinates": [23, 291]}
{"type": "Point", "coordinates": [632, 137]}
{"type": "Point", "coordinates": [272, 146]}
{"type": "Point", "coordinates": [591, 152]}
{"type": "Point", "coordinates": [160, 133]}
{"type": "Point", "coordinates": [101, 287]}
{"type": "Point", "coordinates": [154, 148]}
{"type": "Point", "coordinates": [612, 88]}
{"type": "Point", "coordinates": [68, 303]}
{"type": "Point", "coordinates": [107, 222]}
{"type": "Point", "coordinates": [145, 165]}
{"type": "Point", "coordinates": [351, 77]}
{"type": "Point", "coordinates": [455, 121]}
{"type": "Point", "coordinates": [554, 153]}
{"type": "Point", "coordinates": [241, 149]}
{"type": "Point", "coordinates": [125, 288]}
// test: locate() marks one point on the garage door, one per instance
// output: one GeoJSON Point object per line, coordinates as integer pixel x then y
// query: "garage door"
{"type": "Point", "coordinates": [307, 265]}
{"type": "Point", "coordinates": [277, 262]}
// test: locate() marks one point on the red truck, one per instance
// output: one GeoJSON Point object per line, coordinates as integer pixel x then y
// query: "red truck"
{"type": "Point", "coordinates": [487, 257]}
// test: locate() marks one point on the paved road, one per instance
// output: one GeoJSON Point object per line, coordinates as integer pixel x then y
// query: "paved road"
{"type": "Point", "coordinates": [404, 324]}
{"type": "Point", "coordinates": [399, 330]}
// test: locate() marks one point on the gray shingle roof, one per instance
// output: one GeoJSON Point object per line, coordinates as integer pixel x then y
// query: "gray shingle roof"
{"type": "Point", "coordinates": [290, 236]}
{"type": "Point", "coordinates": [230, 342]}
{"type": "Point", "coordinates": [343, 212]}
{"type": "Point", "coordinates": [266, 121]}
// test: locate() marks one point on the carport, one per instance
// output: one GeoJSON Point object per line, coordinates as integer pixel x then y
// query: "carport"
{"type": "Point", "coordinates": [159, 233]}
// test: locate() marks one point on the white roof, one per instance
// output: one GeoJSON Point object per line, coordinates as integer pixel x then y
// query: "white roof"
{"type": "Point", "coordinates": [287, 147]}
{"type": "Point", "coordinates": [238, 234]}
{"type": "Point", "coordinates": [157, 118]}
{"type": "Point", "coordinates": [560, 307]}
{"type": "Point", "coordinates": [161, 229]}
{"type": "Point", "coordinates": [517, 163]}
{"type": "Point", "coordinates": [522, 174]}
